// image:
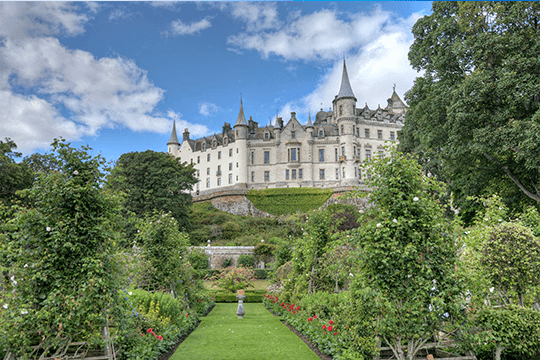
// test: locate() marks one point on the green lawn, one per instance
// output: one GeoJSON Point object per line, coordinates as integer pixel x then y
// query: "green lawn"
{"type": "Point", "coordinates": [259, 336]}
{"type": "Point", "coordinates": [259, 285]}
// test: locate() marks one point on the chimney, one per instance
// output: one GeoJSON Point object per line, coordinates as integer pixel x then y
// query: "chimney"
{"type": "Point", "coordinates": [186, 135]}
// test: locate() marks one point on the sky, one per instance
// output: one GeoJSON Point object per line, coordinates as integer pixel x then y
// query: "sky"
{"type": "Point", "coordinates": [114, 75]}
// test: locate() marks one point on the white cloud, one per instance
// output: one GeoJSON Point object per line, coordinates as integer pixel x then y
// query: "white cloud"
{"type": "Point", "coordinates": [195, 130]}
{"type": "Point", "coordinates": [206, 108]}
{"type": "Point", "coordinates": [380, 61]}
{"type": "Point", "coordinates": [23, 19]}
{"type": "Point", "coordinates": [165, 4]}
{"type": "Point", "coordinates": [98, 93]}
{"type": "Point", "coordinates": [256, 15]}
{"type": "Point", "coordinates": [119, 14]}
{"type": "Point", "coordinates": [178, 28]}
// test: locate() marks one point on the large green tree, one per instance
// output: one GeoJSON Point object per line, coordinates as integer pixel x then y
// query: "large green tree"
{"type": "Point", "coordinates": [154, 180]}
{"type": "Point", "coordinates": [13, 176]}
{"type": "Point", "coordinates": [474, 118]}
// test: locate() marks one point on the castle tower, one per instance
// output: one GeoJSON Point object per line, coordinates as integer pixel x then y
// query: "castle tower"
{"type": "Point", "coordinates": [241, 134]}
{"type": "Point", "coordinates": [173, 143]}
{"type": "Point", "coordinates": [345, 114]}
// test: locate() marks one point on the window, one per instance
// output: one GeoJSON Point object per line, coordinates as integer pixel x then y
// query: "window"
{"type": "Point", "coordinates": [358, 152]}
{"type": "Point", "coordinates": [208, 157]}
{"type": "Point", "coordinates": [381, 154]}
{"type": "Point", "coordinates": [293, 134]}
{"type": "Point", "coordinates": [359, 173]}
{"type": "Point", "coordinates": [321, 155]}
{"type": "Point", "coordinates": [337, 174]}
{"type": "Point", "coordinates": [198, 173]}
{"type": "Point", "coordinates": [358, 132]}
{"type": "Point", "coordinates": [219, 181]}
{"type": "Point", "coordinates": [218, 170]}
{"type": "Point", "coordinates": [207, 182]}
{"type": "Point", "coordinates": [366, 131]}
{"type": "Point", "coordinates": [321, 174]}
{"type": "Point", "coordinates": [198, 159]}
{"type": "Point", "coordinates": [286, 174]}
{"type": "Point", "coordinates": [266, 136]}
{"type": "Point", "coordinates": [230, 152]}
{"type": "Point", "coordinates": [219, 154]}
{"type": "Point", "coordinates": [204, 146]}
{"type": "Point", "coordinates": [379, 134]}
{"type": "Point", "coordinates": [343, 151]}
{"type": "Point", "coordinates": [299, 173]}
{"type": "Point", "coordinates": [368, 155]}
{"type": "Point", "coordinates": [344, 173]}
{"type": "Point", "coordinates": [236, 177]}
{"type": "Point", "coordinates": [237, 150]}
{"type": "Point", "coordinates": [267, 176]}
{"type": "Point", "coordinates": [225, 141]}
{"type": "Point", "coordinates": [342, 130]}
{"type": "Point", "coordinates": [252, 176]}
{"type": "Point", "coordinates": [321, 133]}
{"type": "Point", "coordinates": [267, 157]}
{"type": "Point", "coordinates": [341, 112]}
{"type": "Point", "coordinates": [336, 153]}
{"type": "Point", "coordinates": [230, 178]}
{"type": "Point", "coordinates": [293, 174]}
{"type": "Point", "coordinates": [354, 150]}
{"type": "Point", "coordinates": [230, 166]}
{"type": "Point", "coordinates": [236, 164]}
{"type": "Point", "coordinates": [292, 154]}
{"type": "Point", "coordinates": [353, 129]}
{"type": "Point", "coordinates": [191, 161]}
{"type": "Point", "coordinates": [207, 171]}
{"type": "Point", "coordinates": [392, 136]}
{"type": "Point", "coordinates": [253, 157]}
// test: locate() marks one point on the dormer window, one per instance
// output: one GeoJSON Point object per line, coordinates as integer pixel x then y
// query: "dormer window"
{"type": "Point", "coordinates": [293, 134]}
{"type": "Point", "coordinates": [266, 136]}
{"type": "Point", "coordinates": [204, 146]}
{"type": "Point", "coordinates": [214, 143]}
{"type": "Point", "coordinates": [225, 141]}
{"type": "Point", "coordinates": [321, 133]}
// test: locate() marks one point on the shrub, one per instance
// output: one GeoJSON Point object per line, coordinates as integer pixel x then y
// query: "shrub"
{"type": "Point", "coordinates": [199, 261]}
{"type": "Point", "coordinates": [246, 261]}
{"type": "Point", "coordinates": [226, 263]}
{"type": "Point", "coordinates": [288, 201]}
{"type": "Point", "coordinates": [230, 229]}
{"type": "Point", "coordinates": [232, 278]}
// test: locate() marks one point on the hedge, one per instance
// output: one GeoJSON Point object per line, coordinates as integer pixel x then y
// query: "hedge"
{"type": "Point", "coordinates": [252, 296]}
{"type": "Point", "coordinates": [288, 200]}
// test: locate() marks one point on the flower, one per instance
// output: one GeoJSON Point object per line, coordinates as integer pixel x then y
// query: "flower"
{"type": "Point", "coordinates": [395, 221]}
{"type": "Point", "coordinates": [298, 308]}
{"type": "Point", "coordinates": [24, 312]}
{"type": "Point", "coordinates": [415, 198]}
{"type": "Point", "coordinates": [324, 327]}
{"type": "Point", "coordinates": [330, 328]}
{"type": "Point", "coordinates": [335, 333]}
{"type": "Point", "coordinates": [75, 172]}
{"type": "Point", "coordinates": [351, 274]}
{"type": "Point", "coordinates": [379, 225]}
{"type": "Point", "coordinates": [25, 265]}
{"type": "Point", "coordinates": [331, 322]}
{"type": "Point", "coordinates": [187, 314]}
{"type": "Point", "coordinates": [159, 337]}
{"type": "Point", "coordinates": [294, 312]}
{"type": "Point", "coordinates": [5, 306]}
{"type": "Point", "coordinates": [129, 293]}
{"type": "Point", "coordinates": [48, 228]}
{"type": "Point", "coordinates": [142, 334]}
{"type": "Point", "coordinates": [314, 316]}
{"type": "Point", "coordinates": [491, 289]}
{"type": "Point", "coordinates": [149, 330]}
{"type": "Point", "coordinates": [310, 319]}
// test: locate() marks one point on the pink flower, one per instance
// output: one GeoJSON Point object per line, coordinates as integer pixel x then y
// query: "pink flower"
{"type": "Point", "coordinates": [314, 316]}
{"type": "Point", "coordinates": [310, 319]}
{"type": "Point", "coordinates": [335, 333]}
{"type": "Point", "coordinates": [331, 322]}
{"type": "Point", "coordinates": [324, 327]}
{"type": "Point", "coordinates": [149, 330]}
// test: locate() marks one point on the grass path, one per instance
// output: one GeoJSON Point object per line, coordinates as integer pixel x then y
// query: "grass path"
{"type": "Point", "coordinates": [259, 336]}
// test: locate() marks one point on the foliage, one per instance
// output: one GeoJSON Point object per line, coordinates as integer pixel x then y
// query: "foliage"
{"type": "Point", "coordinates": [246, 261]}
{"type": "Point", "coordinates": [247, 231]}
{"type": "Point", "coordinates": [282, 253]}
{"type": "Point", "coordinates": [510, 256]}
{"type": "Point", "coordinates": [263, 251]}
{"type": "Point", "coordinates": [288, 200]}
{"type": "Point", "coordinates": [226, 263]}
{"type": "Point", "coordinates": [408, 254]}
{"type": "Point", "coordinates": [13, 176]}
{"type": "Point", "coordinates": [165, 247]}
{"type": "Point", "coordinates": [58, 271]}
{"type": "Point", "coordinates": [474, 114]}
{"type": "Point", "coordinates": [233, 278]}
{"type": "Point", "coordinates": [252, 296]}
{"type": "Point", "coordinates": [154, 181]}
{"type": "Point", "coordinates": [199, 261]}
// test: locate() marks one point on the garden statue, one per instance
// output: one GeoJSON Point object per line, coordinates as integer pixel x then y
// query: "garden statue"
{"type": "Point", "coordinates": [240, 311]}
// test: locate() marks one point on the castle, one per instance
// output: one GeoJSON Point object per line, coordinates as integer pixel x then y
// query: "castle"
{"type": "Point", "coordinates": [326, 153]}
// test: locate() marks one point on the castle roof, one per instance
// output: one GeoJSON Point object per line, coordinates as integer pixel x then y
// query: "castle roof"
{"type": "Point", "coordinates": [174, 138]}
{"type": "Point", "coordinates": [241, 118]}
{"type": "Point", "coordinates": [345, 90]}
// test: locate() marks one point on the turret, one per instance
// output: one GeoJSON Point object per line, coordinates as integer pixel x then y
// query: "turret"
{"type": "Point", "coordinates": [345, 101]}
{"type": "Point", "coordinates": [241, 131]}
{"type": "Point", "coordinates": [241, 126]}
{"type": "Point", "coordinates": [173, 141]}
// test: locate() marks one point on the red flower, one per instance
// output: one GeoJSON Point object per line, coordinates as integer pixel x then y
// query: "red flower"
{"type": "Point", "coordinates": [200, 300]}
{"type": "Point", "coordinates": [294, 312]}
{"type": "Point", "coordinates": [324, 327]}
{"type": "Point", "coordinates": [298, 308]}
{"type": "Point", "coordinates": [159, 337]}
{"type": "Point", "coordinates": [282, 304]}
{"type": "Point", "coordinates": [330, 328]}
{"type": "Point", "coordinates": [310, 319]}
{"type": "Point", "coordinates": [149, 330]}
{"type": "Point", "coordinates": [153, 333]}
{"type": "Point", "coordinates": [314, 316]}
{"type": "Point", "coordinates": [331, 322]}
{"type": "Point", "coordinates": [335, 333]}
{"type": "Point", "coordinates": [142, 334]}
{"type": "Point", "coordinates": [187, 314]}
{"type": "Point", "coordinates": [212, 299]}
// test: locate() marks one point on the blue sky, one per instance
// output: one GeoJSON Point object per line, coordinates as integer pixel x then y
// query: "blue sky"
{"type": "Point", "coordinates": [114, 75]}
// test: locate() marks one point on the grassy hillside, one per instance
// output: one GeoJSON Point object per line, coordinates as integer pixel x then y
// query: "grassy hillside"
{"type": "Point", "coordinates": [289, 200]}
{"type": "Point", "coordinates": [222, 228]}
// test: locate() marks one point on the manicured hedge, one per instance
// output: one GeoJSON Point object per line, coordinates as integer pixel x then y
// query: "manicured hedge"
{"type": "Point", "coordinates": [289, 200]}
{"type": "Point", "coordinates": [252, 296]}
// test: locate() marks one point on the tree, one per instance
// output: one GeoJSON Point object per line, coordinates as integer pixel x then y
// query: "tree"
{"type": "Point", "coordinates": [154, 181]}
{"type": "Point", "coordinates": [13, 176]}
{"type": "Point", "coordinates": [56, 259]}
{"type": "Point", "coordinates": [474, 116]}
{"type": "Point", "coordinates": [408, 255]}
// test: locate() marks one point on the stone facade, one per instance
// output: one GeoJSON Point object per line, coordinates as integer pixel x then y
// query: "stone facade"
{"type": "Point", "coordinates": [218, 254]}
{"type": "Point", "coordinates": [326, 153]}
{"type": "Point", "coordinates": [238, 205]}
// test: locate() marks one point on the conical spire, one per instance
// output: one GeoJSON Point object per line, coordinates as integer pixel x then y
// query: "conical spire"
{"type": "Point", "coordinates": [174, 138]}
{"type": "Point", "coordinates": [345, 90]}
{"type": "Point", "coordinates": [309, 123]}
{"type": "Point", "coordinates": [241, 118]}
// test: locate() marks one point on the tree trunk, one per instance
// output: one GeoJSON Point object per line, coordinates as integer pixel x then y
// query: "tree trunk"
{"type": "Point", "coordinates": [498, 352]}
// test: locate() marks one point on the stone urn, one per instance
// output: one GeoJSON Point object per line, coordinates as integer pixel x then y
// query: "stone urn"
{"type": "Point", "coordinates": [240, 311]}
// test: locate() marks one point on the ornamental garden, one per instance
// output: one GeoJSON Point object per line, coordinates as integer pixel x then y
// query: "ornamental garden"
{"type": "Point", "coordinates": [82, 277]}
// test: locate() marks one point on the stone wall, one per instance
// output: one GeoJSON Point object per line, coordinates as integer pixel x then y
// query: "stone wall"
{"type": "Point", "coordinates": [339, 198]}
{"type": "Point", "coordinates": [217, 254]}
